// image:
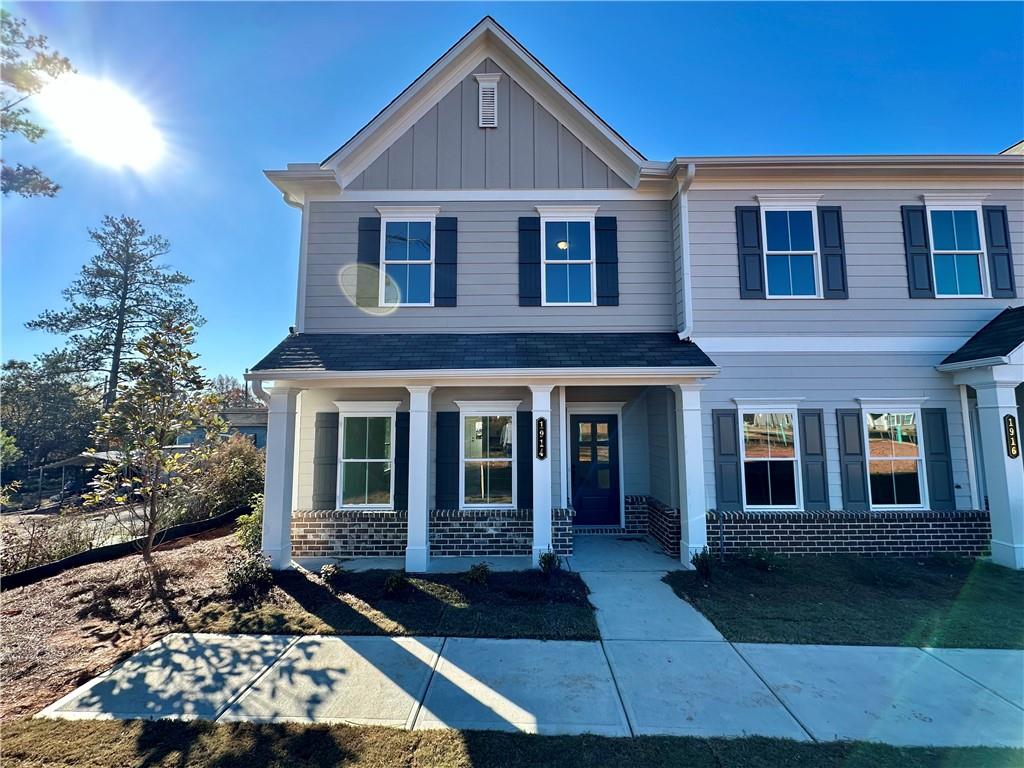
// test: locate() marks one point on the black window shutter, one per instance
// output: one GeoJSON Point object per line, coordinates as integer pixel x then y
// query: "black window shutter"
{"type": "Point", "coordinates": [325, 461]}
{"type": "Point", "coordinates": [1000, 257]}
{"type": "Point", "coordinates": [446, 459]}
{"type": "Point", "coordinates": [529, 261]}
{"type": "Point", "coordinates": [401, 466]}
{"type": "Point", "coordinates": [938, 460]}
{"type": "Point", "coordinates": [446, 267]}
{"type": "Point", "coordinates": [727, 460]}
{"type": "Point", "coordinates": [748, 239]}
{"type": "Point", "coordinates": [919, 257]}
{"type": "Point", "coordinates": [606, 247]}
{"type": "Point", "coordinates": [833, 252]}
{"type": "Point", "coordinates": [812, 459]}
{"type": "Point", "coordinates": [852, 464]}
{"type": "Point", "coordinates": [368, 259]}
{"type": "Point", "coordinates": [524, 459]}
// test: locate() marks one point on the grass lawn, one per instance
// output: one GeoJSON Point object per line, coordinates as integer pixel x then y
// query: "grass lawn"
{"type": "Point", "coordinates": [518, 604]}
{"type": "Point", "coordinates": [937, 601]}
{"type": "Point", "coordinates": [162, 744]}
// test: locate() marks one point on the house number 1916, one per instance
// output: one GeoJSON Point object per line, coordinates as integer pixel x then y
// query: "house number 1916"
{"type": "Point", "coordinates": [542, 437]}
{"type": "Point", "coordinates": [1012, 436]}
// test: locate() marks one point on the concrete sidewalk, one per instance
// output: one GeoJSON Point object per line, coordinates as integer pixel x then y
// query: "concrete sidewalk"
{"type": "Point", "coordinates": [904, 696]}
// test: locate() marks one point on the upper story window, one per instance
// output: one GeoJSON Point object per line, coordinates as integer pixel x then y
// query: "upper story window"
{"type": "Point", "coordinates": [895, 457]}
{"type": "Point", "coordinates": [488, 476]}
{"type": "Point", "coordinates": [958, 261]}
{"type": "Point", "coordinates": [366, 455]}
{"type": "Point", "coordinates": [407, 257]}
{"type": "Point", "coordinates": [770, 457]}
{"type": "Point", "coordinates": [790, 251]}
{"type": "Point", "coordinates": [567, 256]}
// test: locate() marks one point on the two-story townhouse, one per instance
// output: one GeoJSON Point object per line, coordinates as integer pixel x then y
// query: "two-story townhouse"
{"type": "Point", "coordinates": [512, 328]}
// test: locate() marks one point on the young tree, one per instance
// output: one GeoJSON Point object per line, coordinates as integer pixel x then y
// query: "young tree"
{"type": "Point", "coordinates": [26, 63]}
{"type": "Point", "coordinates": [232, 393]}
{"type": "Point", "coordinates": [121, 294]}
{"type": "Point", "coordinates": [164, 395]}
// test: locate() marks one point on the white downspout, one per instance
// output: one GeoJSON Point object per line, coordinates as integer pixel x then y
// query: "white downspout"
{"type": "Point", "coordinates": [683, 188]}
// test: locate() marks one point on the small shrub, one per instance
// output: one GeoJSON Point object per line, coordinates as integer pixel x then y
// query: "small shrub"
{"type": "Point", "coordinates": [232, 475]}
{"type": "Point", "coordinates": [549, 563]}
{"type": "Point", "coordinates": [249, 576]}
{"type": "Point", "coordinates": [395, 583]}
{"type": "Point", "coordinates": [762, 559]}
{"type": "Point", "coordinates": [331, 575]}
{"type": "Point", "coordinates": [702, 562]}
{"type": "Point", "coordinates": [249, 526]}
{"type": "Point", "coordinates": [478, 573]}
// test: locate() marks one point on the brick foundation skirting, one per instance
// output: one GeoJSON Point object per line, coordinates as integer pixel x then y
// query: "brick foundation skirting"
{"type": "Point", "coordinates": [453, 533]}
{"type": "Point", "coordinates": [664, 524]}
{"type": "Point", "coordinates": [888, 534]}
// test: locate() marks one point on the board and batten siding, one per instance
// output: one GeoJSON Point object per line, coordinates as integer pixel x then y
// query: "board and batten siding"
{"type": "Point", "coordinates": [831, 381]}
{"type": "Point", "coordinates": [488, 273]}
{"type": "Point", "coordinates": [447, 149]}
{"type": "Point", "coordinates": [879, 304]}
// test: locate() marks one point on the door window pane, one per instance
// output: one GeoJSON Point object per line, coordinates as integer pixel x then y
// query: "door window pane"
{"type": "Point", "coordinates": [602, 454]}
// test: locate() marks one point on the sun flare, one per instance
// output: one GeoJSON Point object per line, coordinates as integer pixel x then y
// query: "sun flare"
{"type": "Point", "coordinates": [102, 121]}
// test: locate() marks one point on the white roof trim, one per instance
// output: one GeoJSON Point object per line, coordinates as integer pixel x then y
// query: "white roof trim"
{"type": "Point", "coordinates": [486, 39]}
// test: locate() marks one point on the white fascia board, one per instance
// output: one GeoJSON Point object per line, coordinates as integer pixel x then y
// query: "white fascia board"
{"type": "Point", "coordinates": [481, 195]}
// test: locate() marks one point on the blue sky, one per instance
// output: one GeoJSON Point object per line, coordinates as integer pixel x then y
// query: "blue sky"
{"type": "Point", "coordinates": [238, 88]}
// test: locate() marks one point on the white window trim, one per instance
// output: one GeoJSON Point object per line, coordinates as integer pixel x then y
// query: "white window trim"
{"type": "Point", "coordinates": [567, 213]}
{"type": "Point", "coordinates": [896, 405]}
{"type": "Point", "coordinates": [753, 406]}
{"type": "Point", "coordinates": [487, 408]}
{"type": "Point", "coordinates": [406, 213]}
{"type": "Point", "coordinates": [958, 203]}
{"type": "Point", "coordinates": [791, 203]}
{"type": "Point", "coordinates": [365, 408]}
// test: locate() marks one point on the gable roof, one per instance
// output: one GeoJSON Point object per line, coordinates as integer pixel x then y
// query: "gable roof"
{"type": "Point", "coordinates": [486, 39]}
{"type": "Point", "coordinates": [1003, 334]}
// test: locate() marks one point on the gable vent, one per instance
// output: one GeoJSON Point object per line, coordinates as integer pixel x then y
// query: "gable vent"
{"type": "Point", "coordinates": [488, 100]}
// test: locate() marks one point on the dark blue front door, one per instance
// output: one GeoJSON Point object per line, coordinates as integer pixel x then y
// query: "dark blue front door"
{"type": "Point", "coordinates": [594, 447]}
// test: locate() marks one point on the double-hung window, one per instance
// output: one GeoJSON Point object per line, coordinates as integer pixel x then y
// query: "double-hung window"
{"type": "Point", "coordinates": [791, 254]}
{"type": "Point", "coordinates": [895, 457]}
{"type": "Point", "coordinates": [770, 456]}
{"type": "Point", "coordinates": [568, 276]}
{"type": "Point", "coordinates": [407, 256]}
{"type": "Point", "coordinates": [958, 252]}
{"type": "Point", "coordinates": [488, 473]}
{"type": "Point", "coordinates": [366, 455]}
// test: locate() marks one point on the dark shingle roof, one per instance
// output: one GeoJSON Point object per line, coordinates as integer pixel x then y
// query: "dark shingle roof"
{"type": "Point", "coordinates": [1003, 334]}
{"type": "Point", "coordinates": [348, 352]}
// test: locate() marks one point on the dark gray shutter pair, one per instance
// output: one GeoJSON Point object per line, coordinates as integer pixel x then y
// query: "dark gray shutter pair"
{"type": "Point", "coordinates": [325, 460]}
{"type": "Point", "coordinates": [728, 472]}
{"type": "Point", "coordinates": [853, 461]}
{"type": "Point", "coordinates": [606, 254]}
{"type": "Point", "coordinates": [445, 261]}
{"type": "Point", "coordinates": [448, 459]}
{"type": "Point", "coordinates": [919, 257]}
{"type": "Point", "coordinates": [830, 241]}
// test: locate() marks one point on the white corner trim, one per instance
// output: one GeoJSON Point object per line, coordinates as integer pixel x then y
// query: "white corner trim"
{"type": "Point", "coordinates": [567, 211]}
{"type": "Point", "coordinates": [954, 199]}
{"type": "Point", "coordinates": [408, 211]}
{"type": "Point", "coordinates": [773, 200]}
{"type": "Point", "coordinates": [768, 403]}
{"type": "Point", "coordinates": [486, 407]}
{"type": "Point", "coordinates": [890, 403]}
{"type": "Point", "coordinates": [367, 406]}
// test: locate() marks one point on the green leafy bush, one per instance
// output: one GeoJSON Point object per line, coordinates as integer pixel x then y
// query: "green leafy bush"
{"type": "Point", "coordinates": [703, 561]}
{"type": "Point", "coordinates": [477, 573]}
{"type": "Point", "coordinates": [249, 576]}
{"type": "Point", "coordinates": [395, 583]}
{"type": "Point", "coordinates": [549, 562]}
{"type": "Point", "coordinates": [249, 526]}
{"type": "Point", "coordinates": [233, 473]}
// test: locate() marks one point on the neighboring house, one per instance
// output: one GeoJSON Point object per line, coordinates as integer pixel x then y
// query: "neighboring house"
{"type": "Point", "coordinates": [512, 328]}
{"type": "Point", "coordinates": [251, 422]}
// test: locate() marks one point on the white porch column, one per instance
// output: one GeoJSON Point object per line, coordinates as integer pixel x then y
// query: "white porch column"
{"type": "Point", "coordinates": [690, 456]}
{"type": "Point", "coordinates": [1004, 476]}
{"type": "Point", "coordinates": [417, 550]}
{"type": "Point", "coordinates": [541, 474]}
{"type": "Point", "coordinates": [277, 488]}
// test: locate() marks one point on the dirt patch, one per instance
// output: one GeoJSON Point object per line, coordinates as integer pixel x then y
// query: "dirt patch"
{"type": "Point", "coordinates": [63, 631]}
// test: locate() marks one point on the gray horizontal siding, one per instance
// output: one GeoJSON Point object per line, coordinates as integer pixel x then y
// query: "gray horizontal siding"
{"type": "Point", "coordinates": [446, 148]}
{"type": "Point", "coordinates": [876, 268]}
{"type": "Point", "coordinates": [488, 273]}
{"type": "Point", "coordinates": [830, 382]}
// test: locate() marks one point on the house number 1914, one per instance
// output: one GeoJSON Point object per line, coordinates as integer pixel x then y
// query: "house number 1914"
{"type": "Point", "coordinates": [542, 437]}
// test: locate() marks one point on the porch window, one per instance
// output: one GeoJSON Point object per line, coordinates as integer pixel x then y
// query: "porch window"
{"type": "Point", "coordinates": [771, 464]}
{"type": "Point", "coordinates": [958, 262]}
{"type": "Point", "coordinates": [366, 478]}
{"type": "Point", "coordinates": [407, 262]}
{"type": "Point", "coordinates": [568, 261]}
{"type": "Point", "coordinates": [488, 476]}
{"type": "Point", "coordinates": [895, 458]}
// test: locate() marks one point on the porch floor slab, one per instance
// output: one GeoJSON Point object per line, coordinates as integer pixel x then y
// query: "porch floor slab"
{"type": "Point", "coordinates": [640, 606]}
{"type": "Point", "coordinates": [619, 553]}
{"type": "Point", "coordinates": [361, 680]}
{"type": "Point", "coordinates": [546, 687]}
{"type": "Point", "coordinates": [695, 689]}
{"type": "Point", "coordinates": [900, 696]}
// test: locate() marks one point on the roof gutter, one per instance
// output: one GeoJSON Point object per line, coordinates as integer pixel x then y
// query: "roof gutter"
{"type": "Point", "coordinates": [981, 362]}
{"type": "Point", "coordinates": [683, 189]}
